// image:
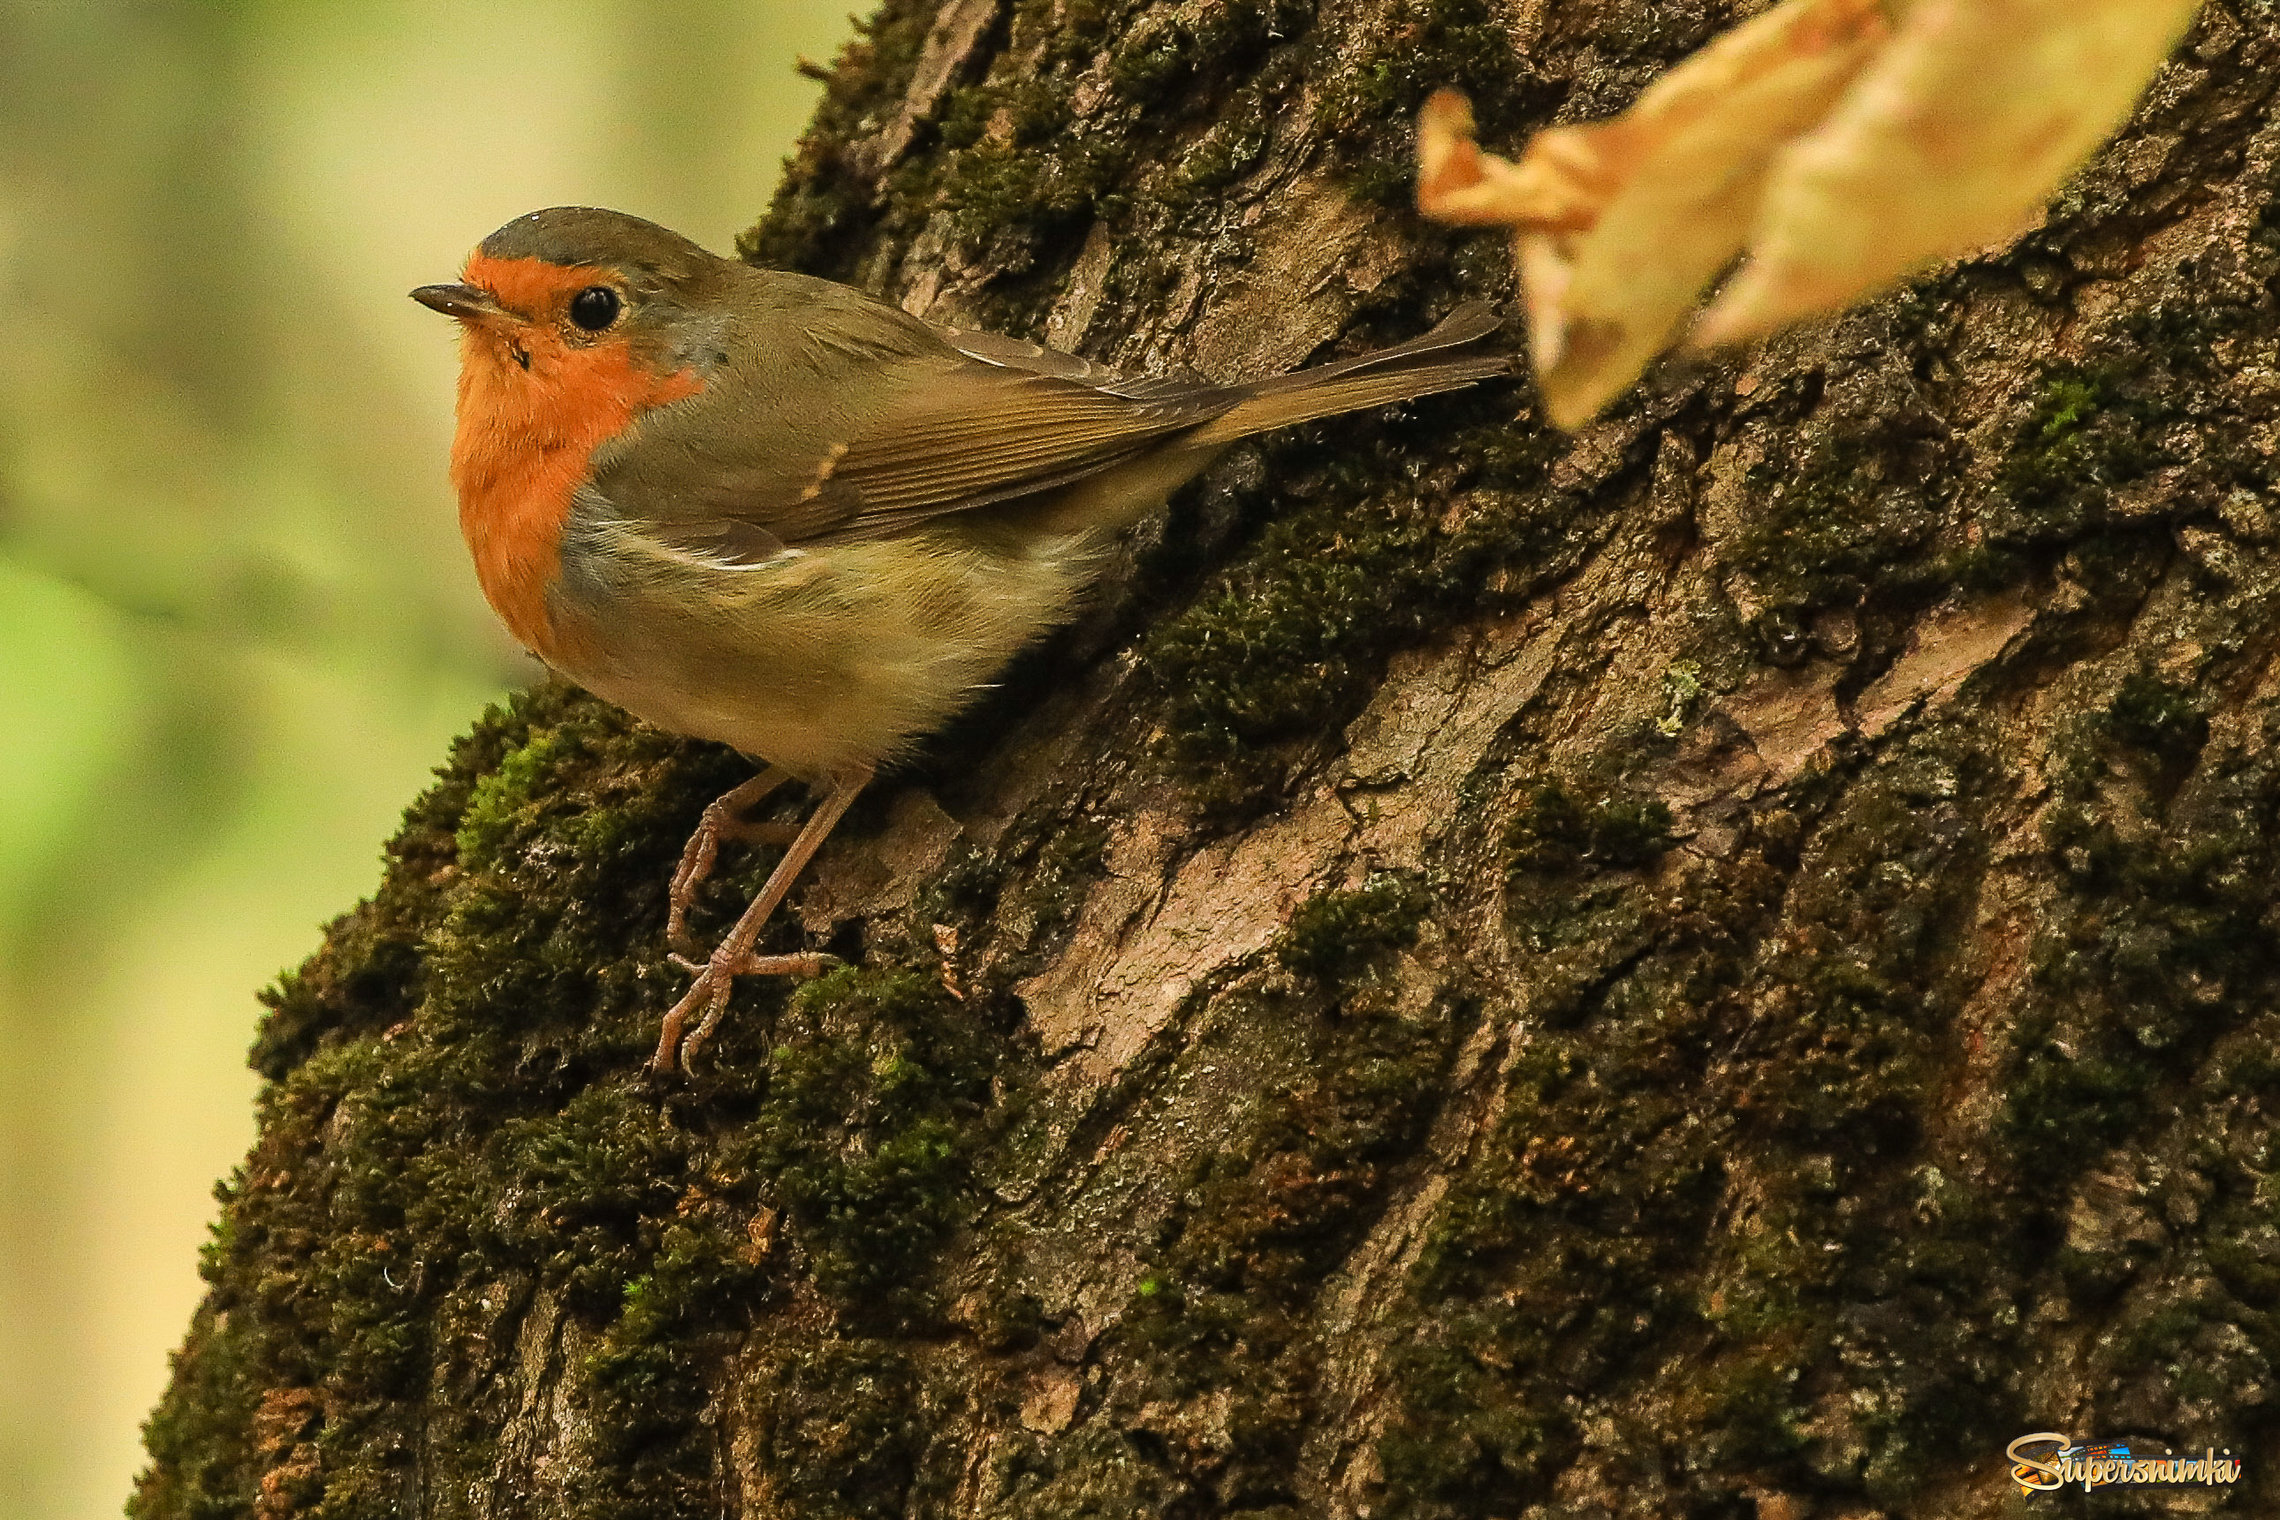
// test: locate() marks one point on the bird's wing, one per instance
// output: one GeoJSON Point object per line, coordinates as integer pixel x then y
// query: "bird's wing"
{"type": "Point", "coordinates": [978, 436]}
{"type": "Point", "coordinates": [864, 432]}
{"type": "Point", "coordinates": [1016, 353]}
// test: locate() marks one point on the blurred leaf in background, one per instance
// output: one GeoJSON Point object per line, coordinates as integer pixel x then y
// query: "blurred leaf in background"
{"type": "Point", "coordinates": [236, 625]}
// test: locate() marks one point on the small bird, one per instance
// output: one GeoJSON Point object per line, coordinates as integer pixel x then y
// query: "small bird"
{"type": "Point", "coordinates": [773, 511]}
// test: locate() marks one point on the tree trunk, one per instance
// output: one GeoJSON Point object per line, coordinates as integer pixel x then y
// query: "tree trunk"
{"type": "Point", "coordinates": [1730, 959]}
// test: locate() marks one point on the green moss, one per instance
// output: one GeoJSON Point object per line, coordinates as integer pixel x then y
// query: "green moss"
{"type": "Point", "coordinates": [872, 1101]}
{"type": "Point", "coordinates": [1165, 56]}
{"type": "Point", "coordinates": [2060, 1107]}
{"type": "Point", "coordinates": [1682, 691]}
{"type": "Point", "coordinates": [1556, 832]}
{"type": "Point", "coordinates": [650, 1370]}
{"type": "Point", "coordinates": [1771, 1029]}
{"type": "Point", "coordinates": [845, 1432]}
{"type": "Point", "coordinates": [1272, 655]}
{"type": "Point", "coordinates": [2100, 423]}
{"type": "Point", "coordinates": [1336, 936]}
{"type": "Point", "coordinates": [202, 1464]}
{"type": "Point", "coordinates": [1070, 30]}
{"type": "Point", "coordinates": [1058, 862]}
{"type": "Point", "coordinates": [1876, 516]}
{"type": "Point", "coordinates": [2087, 432]}
{"type": "Point", "coordinates": [1576, 852]}
{"type": "Point", "coordinates": [996, 192]}
{"type": "Point", "coordinates": [2241, 1253]}
{"type": "Point", "coordinates": [1229, 149]}
{"type": "Point", "coordinates": [1464, 1446]}
{"type": "Point", "coordinates": [2165, 718]}
{"type": "Point", "coordinates": [1018, 174]}
{"type": "Point", "coordinates": [2157, 946]}
{"type": "Point", "coordinates": [1154, 61]}
{"type": "Point", "coordinates": [1274, 1214]}
{"type": "Point", "coordinates": [456, 1131]}
{"type": "Point", "coordinates": [1754, 1408]}
{"type": "Point", "coordinates": [1369, 109]}
{"type": "Point", "coordinates": [1860, 510]}
{"type": "Point", "coordinates": [372, 971]}
{"type": "Point", "coordinates": [1548, 1267]}
{"type": "Point", "coordinates": [1068, 863]}
{"type": "Point", "coordinates": [510, 799]}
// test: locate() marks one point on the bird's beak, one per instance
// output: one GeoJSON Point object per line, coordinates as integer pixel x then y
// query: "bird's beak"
{"type": "Point", "coordinates": [469, 303]}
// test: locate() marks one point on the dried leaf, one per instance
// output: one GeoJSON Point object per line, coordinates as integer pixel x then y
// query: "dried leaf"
{"type": "Point", "coordinates": [1562, 183]}
{"type": "Point", "coordinates": [1620, 224]}
{"type": "Point", "coordinates": [1697, 168]}
{"type": "Point", "coordinates": [1954, 139]}
{"type": "Point", "coordinates": [1838, 154]}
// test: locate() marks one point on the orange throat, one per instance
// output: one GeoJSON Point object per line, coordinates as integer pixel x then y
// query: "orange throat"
{"type": "Point", "coordinates": [526, 439]}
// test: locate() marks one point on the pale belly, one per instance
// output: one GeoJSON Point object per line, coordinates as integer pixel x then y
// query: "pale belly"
{"type": "Point", "coordinates": [824, 662]}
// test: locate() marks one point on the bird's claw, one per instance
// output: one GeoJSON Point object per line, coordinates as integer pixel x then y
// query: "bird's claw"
{"type": "Point", "coordinates": [707, 997]}
{"type": "Point", "coordinates": [723, 819]}
{"type": "Point", "coordinates": [714, 979]}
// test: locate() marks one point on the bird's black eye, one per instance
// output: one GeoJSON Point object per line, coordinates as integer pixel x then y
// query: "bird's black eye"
{"type": "Point", "coordinates": [595, 307]}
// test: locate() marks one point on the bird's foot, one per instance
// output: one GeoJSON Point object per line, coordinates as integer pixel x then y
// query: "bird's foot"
{"type": "Point", "coordinates": [707, 999]}
{"type": "Point", "coordinates": [723, 820]}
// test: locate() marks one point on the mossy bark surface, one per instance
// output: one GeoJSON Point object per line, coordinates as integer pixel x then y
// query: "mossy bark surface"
{"type": "Point", "coordinates": [1726, 965]}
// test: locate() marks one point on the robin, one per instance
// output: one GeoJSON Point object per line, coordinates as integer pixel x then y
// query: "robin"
{"type": "Point", "coordinates": [772, 511]}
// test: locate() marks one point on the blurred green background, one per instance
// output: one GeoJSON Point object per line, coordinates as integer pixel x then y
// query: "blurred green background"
{"type": "Point", "coordinates": [236, 623]}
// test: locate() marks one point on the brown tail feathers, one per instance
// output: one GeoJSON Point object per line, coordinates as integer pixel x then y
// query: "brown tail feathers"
{"type": "Point", "coordinates": [1419, 367]}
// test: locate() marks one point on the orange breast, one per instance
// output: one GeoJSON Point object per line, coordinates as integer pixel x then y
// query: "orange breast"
{"type": "Point", "coordinates": [526, 438]}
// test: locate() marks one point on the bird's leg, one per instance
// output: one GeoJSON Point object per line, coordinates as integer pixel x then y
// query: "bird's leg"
{"type": "Point", "coordinates": [724, 819]}
{"type": "Point", "coordinates": [734, 958]}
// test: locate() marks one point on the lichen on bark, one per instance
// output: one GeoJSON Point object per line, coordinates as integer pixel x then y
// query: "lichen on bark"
{"type": "Point", "coordinates": [1723, 962]}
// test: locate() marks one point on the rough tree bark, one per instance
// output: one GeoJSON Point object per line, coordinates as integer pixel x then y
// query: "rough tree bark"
{"type": "Point", "coordinates": [1721, 966]}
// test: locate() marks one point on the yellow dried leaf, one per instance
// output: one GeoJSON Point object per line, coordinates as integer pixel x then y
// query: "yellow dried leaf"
{"type": "Point", "coordinates": [1953, 139]}
{"type": "Point", "coordinates": [1692, 189]}
{"type": "Point", "coordinates": [1620, 224]}
{"type": "Point", "coordinates": [1838, 153]}
{"type": "Point", "coordinates": [1562, 182]}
